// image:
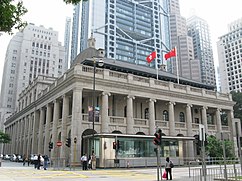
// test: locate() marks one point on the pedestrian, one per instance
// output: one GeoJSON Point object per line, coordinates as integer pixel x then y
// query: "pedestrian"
{"type": "Point", "coordinates": [35, 161]}
{"type": "Point", "coordinates": [46, 161]}
{"type": "Point", "coordinates": [28, 160]}
{"type": "Point", "coordinates": [89, 162]}
{"type": "Point", "coordinates": [38, 161]}
{"type": "Point", "coordinates": [168, 168]}
{"type": "Point", "coordinates": [84, 161]}
{"type": "Point", "coordinates": [93, 158]}
{"type": "Point", "coordinates": [24, 160]}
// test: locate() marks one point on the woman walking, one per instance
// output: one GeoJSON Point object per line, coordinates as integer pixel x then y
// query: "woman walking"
{"type": "Point", "coordinates": [168, 168]}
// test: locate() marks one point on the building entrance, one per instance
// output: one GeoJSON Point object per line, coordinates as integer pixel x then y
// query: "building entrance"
{"type": "Point", "coordinates": [119, 150]}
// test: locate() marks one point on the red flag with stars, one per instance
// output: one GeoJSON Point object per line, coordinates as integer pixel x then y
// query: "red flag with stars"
{"type": "Point", "coordinates": [170, 54]}
{"type": "Point", "coordinates": [151, 57]}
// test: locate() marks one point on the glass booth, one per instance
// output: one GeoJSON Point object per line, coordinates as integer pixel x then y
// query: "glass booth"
{"type": "Point", "coordinates": [120, 150]}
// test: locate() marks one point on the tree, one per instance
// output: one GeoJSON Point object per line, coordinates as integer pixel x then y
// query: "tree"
{"type": "Point", "coordinates": [10, 15]}
{"type": "Point", "coordinates": [237, 97]}
{"type": "Point", "coordinates": [215, 148]}
{"type": "Point", "coordinates": [73, 1]}
{"type": "Point", "coordinates": [4, 138]}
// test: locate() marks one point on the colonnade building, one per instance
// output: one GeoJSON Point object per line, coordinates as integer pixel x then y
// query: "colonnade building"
{"type": "Point", "coordinates": [130, 104]}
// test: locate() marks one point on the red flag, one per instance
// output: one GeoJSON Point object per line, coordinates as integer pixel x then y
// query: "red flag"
{"type": "Point", "coordinates": [151, 57]}
{"type": "Point", "coordinates": [170, 54]}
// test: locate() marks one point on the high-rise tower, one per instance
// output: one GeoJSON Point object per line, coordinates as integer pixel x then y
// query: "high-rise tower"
{"type": "Point", "coordinates": [67, 38]}
{"type": "Point", "coordinates": [199, 31]}
{"type": "Point", "coordinates": [75, 35]}
{"type": "Point", "coordinates": [188, 67]}
{"type": "Point", "coordinates": [32, 52]}
{"type": "Point", "coordinates": [230, 56]}
{"type": "Point", "coordinates": [128, 30]}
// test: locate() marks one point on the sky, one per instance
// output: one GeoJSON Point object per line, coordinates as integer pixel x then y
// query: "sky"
{"type": "Point", "coordinates": [52, 13]}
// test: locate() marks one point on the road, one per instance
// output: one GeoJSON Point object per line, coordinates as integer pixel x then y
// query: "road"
{"type": "Point", "coordinates": [11, 171]}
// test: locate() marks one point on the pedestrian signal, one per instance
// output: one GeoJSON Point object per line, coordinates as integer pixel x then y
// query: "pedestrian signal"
{"type": "Point", "coordinates": [50, 145]}
{"type": "Point", "coordinates": [114, 145]}
{"type": "Point", "coordinates": [157, 139]}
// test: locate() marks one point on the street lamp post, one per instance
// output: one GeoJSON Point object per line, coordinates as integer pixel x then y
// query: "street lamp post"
{"type": "Point", "coordinates": [100, 64]}
{"type": "Point", "coordinates": [93, 101]}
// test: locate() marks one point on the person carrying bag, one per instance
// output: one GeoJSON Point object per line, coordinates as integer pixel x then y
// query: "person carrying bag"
{"type": "Point", "coordinates": [168, 167]}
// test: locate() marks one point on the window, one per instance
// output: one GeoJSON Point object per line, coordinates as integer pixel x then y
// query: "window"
{"type": "Point", "coordinates": [147, 113]}
{"type": "Point", "coordinates": [182, 117]}
{"type": "Point", "coordinates": [165, 115]}
{"type": "Point", "coordinates": [125, 111]}
{"type": "Point", "coordinates": [197, 120]}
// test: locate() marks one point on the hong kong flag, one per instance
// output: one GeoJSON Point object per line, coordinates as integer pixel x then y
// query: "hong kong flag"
{"type": "Point", "coordinates": [170, 54]}
{"type": "Point", "coordinates": [151, 57]}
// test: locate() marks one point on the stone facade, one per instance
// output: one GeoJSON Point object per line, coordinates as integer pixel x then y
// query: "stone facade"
{"type": "Point", "coordinates": [128, 103]}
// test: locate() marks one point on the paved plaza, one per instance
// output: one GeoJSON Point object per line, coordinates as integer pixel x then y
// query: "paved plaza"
{"type": "Point", "coordinates": [12, 171]}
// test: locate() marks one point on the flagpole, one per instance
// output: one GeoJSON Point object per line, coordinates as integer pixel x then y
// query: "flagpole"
{"type": "Point", "coordinates": [177, 69]}
{"type": "Point", "coordinates": [156, 65]}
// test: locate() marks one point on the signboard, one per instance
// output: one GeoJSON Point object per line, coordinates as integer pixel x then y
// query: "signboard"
{"type": "Point", "coordinates": [58, 143]}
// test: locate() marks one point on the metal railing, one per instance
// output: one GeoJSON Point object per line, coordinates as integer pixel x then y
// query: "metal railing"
{"type": "Point", "coordinates": [216, 170]}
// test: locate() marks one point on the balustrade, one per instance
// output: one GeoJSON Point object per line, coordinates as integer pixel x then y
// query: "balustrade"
{"type": "Point", "coordinates": [139, 121]}
{"type": "Point", "coordinates": [180, 125]}
{"type": "Point", "coordinates": [117, 120]}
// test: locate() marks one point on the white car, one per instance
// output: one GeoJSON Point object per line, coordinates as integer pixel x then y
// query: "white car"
{"type": "Point", "coordinates": [6, 157]}
{"type": "Point", "coordinates": [13, 158]}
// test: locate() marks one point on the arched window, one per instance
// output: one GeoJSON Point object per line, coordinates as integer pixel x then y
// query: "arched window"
{"type": "Point", "coordinates": [147, 113]}
{"type": "Point", "coordinates": [182, 117]}
{"type": "Point", "coordinates": [165, 115]}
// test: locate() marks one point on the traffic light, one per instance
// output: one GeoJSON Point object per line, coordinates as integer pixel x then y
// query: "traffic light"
{"type": "Point", "coordinates": [118, 144]}
{"type": "Point", "coordinates": [114, 145]}
{"type": "Point", "coordinates": [157, 139]}
{"type": "Point", "coordinates": [206, 140]}
{"type": "Point", "coordinates": [197, 140]}
{"type": "Point", "coordinates": [50, 146]}
{"type": "Point", "coordinates": [198, 144]}
{"type": "Point", "coordinates": [68, 142]}
{"type": "Point", "coordinates": [75, 140]}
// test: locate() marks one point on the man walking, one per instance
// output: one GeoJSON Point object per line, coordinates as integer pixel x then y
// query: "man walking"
{"type": "Point", "coordinates": [84, 162]}
{"type": "Point", "coordinates": [46, 160]}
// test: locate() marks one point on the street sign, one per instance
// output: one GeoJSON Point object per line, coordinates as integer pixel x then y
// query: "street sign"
{"type": "Point", "coordinates": [58, 143]}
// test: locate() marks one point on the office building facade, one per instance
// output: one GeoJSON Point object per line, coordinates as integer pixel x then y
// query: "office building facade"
{"type": "Point", "coordinates": [199, 31]}
{"type": "Point", "coordinates": [67, 39]}
{"type": "Point", "coordinates": [188, 66]}
{"type": "Point", "coordinates": [127, 30]}
{"type": "Point", "coordinates": [230, 56]}
{"type": "Point", "coordinates": [32, 52]}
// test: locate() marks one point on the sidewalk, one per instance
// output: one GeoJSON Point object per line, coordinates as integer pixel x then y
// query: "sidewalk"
{"type": "Point", "coordinates": [108, 174]}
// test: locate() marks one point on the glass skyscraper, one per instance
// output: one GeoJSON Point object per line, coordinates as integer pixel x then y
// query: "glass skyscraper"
{"type": "Point", "coordinates": [199, 31]}
{"type": "Point", "coordinates": [128, 30]}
